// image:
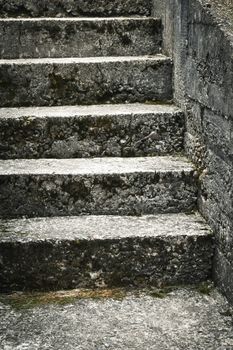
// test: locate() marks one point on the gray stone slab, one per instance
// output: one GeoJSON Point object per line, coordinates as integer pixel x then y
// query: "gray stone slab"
{"type": "Point", "coordinates": [125, 186]}
{"type": "Point", "coordinates": [61, 253]}
{"type": "Point", "coordinates": [79, 37]}
{"type": "Point", "coordinates": [93, 80]}
{"type": "Point", "coordinates": [60, 8]}
{"type": "Point", "coordinates": [88, 111]}
{"type": "Point", "coordinates": [184, 320]}
{"type": "Point", "coordinates": [91, 131]}
{"type": "Point", "coordinates": [101, 227]}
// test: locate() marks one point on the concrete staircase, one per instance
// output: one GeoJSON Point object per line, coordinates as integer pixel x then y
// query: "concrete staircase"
{"type": "Point", "coordinates": [88, 128]}
{"type": "Point", "coordinates": [95, 190]}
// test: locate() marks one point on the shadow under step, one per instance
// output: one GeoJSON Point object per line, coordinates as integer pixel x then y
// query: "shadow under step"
{"type": "Point", "coordinates": [104, 251]}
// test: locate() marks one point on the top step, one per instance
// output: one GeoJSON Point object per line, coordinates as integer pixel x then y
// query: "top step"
{"type": "Point", "coordinates": [74, 8]}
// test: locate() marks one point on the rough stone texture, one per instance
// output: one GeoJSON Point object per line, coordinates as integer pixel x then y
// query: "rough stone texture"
{"type": "Point", "coordinates": [223, 274]}
{"type": "Point", "coordinates": [97, 251]}
{"type": "Point", "coordinates": [125, 186]}
{"type": "Point", "coordinates": [184, 320]}
{"type": "Point", "coordinates": [204, 88]}
{"type": "Point", "coordinates": [79, 37]}
{"type": "Point", "coordinates": [62, 81]}
{"type": "Point", "coordinates": [91, 131]}
{"type": "Point", "coordinates": [61, 8]}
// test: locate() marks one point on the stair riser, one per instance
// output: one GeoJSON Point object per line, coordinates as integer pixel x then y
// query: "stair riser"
{"type": "Point", "coordinates": [60, 8]}
{"type": "Point", "coordinates": [85, 83]}
{"type": "Point", "coordinates": [123, 194]}
{"type": "Point", "coordinates": [91, 136]}
{"type": "Point", "coordinates": [75, 38]}
{"type": "Point", "coordinates": [56, 265]}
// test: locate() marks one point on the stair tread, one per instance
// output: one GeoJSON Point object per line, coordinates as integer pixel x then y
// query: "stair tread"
{"type": "Point", "coordinates": [89, 110]}
{"type": "Point", "coordinates": [77, 60]}
{"type": "Point", "coordinates": [76, 319]}
{"type": "Point", "coordinates": [94, 166]}
{"type": "Point", "coordinates": [79, 19]}
{"type": "Point", "coordinates": [103, 227]}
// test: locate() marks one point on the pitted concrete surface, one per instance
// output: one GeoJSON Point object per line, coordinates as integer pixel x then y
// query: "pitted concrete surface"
{"type": "Point", "coordinates": [34, 8]}
{"type": "Point", "coordinates": [183, 320]}
{"type": "Point", "coordinates": [93, 80]}
{"type": "Point", "coordinates": [99, 186]}
{"type": "Point", "coordinates": [69, 37]}
{"type": "Point", "coordinates": [113, 251]}
{"type": "Point", "coordinates": [222, 11]}
{"type": "Point", "coordinates": [91, 131]}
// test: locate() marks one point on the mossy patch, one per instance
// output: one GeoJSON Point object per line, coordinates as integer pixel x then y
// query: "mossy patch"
{"type": "Point", "coordinates": [162, 293]}
{"type": "Point", "coordinates": [205, 288]}
{"type": "Point", "coordinates": [22, 301]}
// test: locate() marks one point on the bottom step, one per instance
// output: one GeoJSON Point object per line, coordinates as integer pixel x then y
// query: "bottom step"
{"type": "Point", "coordinates": [99, 251]}
{"type": "Point", "coordinates": [182, 319]}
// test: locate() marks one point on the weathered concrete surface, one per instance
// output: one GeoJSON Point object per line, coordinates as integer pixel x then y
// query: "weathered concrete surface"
{"type": "Point", "coordinates": [124, 186]}
{"type": "Point", "coordinates": [62, 81]}
{"type": "Point", "coordinates": [223, 273]}
{"type": "Point", "coordinates": [184, 320]}
{"type": "Point", "coordinates": [79, 37]}
{"type": "Point", "coordinates": [91, 131]}
{"type": "Point", "coordinates": [92, 251]}
{"type": "Point", "coordinates": [222, 11]}
{"type": "Point", "coordinates": [200, 38]}
{"type": "Point", "coordinates": [61, 8]}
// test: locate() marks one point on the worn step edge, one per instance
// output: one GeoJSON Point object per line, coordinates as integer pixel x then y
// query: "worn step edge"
{"type": "Point", "coordinates": [92, 110]}
{"type": "Point", "coordinates": [61, 37]}
{"type": "Point", "coordinates": [102, 186]}
{"type": "Point", "coordinates": [91, 131]}
{"type": "Point", "coordinates": [95, 166]}
{"type": "Point", "coordinates": [87, 252]}
{"type": "Point", "coordinates": [88, 60]}
{"type": "Point", "coordinates": [102, 227]}
{"type": "Point", "coordinates": [80, 19]}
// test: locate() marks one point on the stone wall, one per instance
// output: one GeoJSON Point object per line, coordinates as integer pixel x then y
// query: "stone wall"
{"type": "Point", "coordinates": [199, 36]}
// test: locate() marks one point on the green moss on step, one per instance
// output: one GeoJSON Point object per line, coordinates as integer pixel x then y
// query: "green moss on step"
{"type": "Point", "coordinates": [22, 301]}
{"type": "Point", "coordinates": [205, 288]}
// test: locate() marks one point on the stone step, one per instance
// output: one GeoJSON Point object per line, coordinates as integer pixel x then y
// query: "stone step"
{"type": "Point", "coordinates": [93, 80]}
{"type": "Point", "coordinates": [100, 186]}
{"type": "Point", "coordinates": [60, 8]}
{"type": "Point", "coordinates": [104, 251]}
{"type": "Point", "coordinates": [181, 318]}
{"type": "Point", "coordinates": [79, 37]}
{"type": "Point", "coordinates": [91, 131]}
